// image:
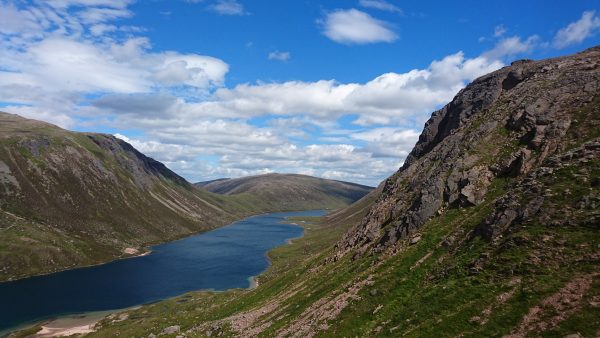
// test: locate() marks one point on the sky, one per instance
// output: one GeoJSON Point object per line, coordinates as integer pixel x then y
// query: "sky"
{"type": "Point", "coordinates": [229, 88]}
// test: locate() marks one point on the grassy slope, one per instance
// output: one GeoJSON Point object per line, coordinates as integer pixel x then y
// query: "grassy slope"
{"type": "Point", "coordinates": [288, 191]}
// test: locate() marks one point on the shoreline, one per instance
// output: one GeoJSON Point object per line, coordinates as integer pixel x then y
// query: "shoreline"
{"type": "Point", "coordinates": [146, 252]}
{"type": "Point", "coordinates": [150, 245]}
{"type": "Point", "coordinates": [83, 323]}
{"type": "Point", "coordinates": [71, 325]}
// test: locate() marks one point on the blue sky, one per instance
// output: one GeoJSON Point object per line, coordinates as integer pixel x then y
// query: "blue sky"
{"type": "Point", "coordinates": [227, 88]}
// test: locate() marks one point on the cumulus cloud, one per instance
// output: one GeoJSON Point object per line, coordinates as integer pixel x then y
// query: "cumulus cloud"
{"type": "Point", "coordinates": [219, 126]}
{"type": "Point", "coordinates": [388, 142]}
{"type": "Point", "coordinates": [381, 5]}
{"type": "Point", "coordinates": [280, 56]}
{"type": "Point", "coordinates": [59, 64]}
{"type": "Point", "coordinates": [228, 7]}
{"type": "Point", "coordinates": [356, 27]}
{"type": "Point", "coordinates": [54, 53]}
{"type": "Point", "coordinates": [389, 98]}
{"type": "Point", "coordinates": [587, 26]}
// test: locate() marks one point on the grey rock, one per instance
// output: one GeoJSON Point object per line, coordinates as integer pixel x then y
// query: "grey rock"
{"type": "Point", "coordinates": [171, 329]}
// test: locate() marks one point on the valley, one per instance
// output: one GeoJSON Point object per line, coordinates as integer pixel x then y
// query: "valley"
{"type": "Point", "coordinates": [515, 257]}
{"type": "Point", "coordinates": [77, 199]}
{"type": "Point", "coordinates": [489, 228]}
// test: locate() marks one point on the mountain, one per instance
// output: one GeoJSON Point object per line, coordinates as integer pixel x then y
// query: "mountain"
{"type": "Point", "coordinates": [69, 199]}
{"type": "Point", "coordinates": [289, 191]}
{"type": "Point", "coordinates": [491, 228]}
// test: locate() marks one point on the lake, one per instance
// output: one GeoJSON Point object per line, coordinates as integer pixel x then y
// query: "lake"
{"type": "Point", "coordinates": [219, 260]}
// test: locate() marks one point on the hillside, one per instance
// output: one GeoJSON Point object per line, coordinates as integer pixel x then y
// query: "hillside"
{"type": "Point", "coordinates": [289, 191]}
{"type": "Point", "coordinates": [72, 199]}
{"type": "Point", "coordinates": [490, 229]}
{"type": "Point", "coordinates": [69, 199]}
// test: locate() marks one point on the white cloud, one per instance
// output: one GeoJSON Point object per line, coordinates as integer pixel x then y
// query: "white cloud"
{"type": "Point", "coordinates": [280, 56]}
{"type": "Point", "coordinates": [96, 15]}
{"type": "Point", "coordinates": [59, 64]}
{"type": "Point", "coordinates": [16, 21]}
{"type": "Point", "coordinates": [57, 117]}
{"type": "Point", "coordinates": [182, 133]}
{"type": "Point", "coordinates": [388, 142]}
{"type": "Point", "coordinates": [89, 3]}
{"type": "Point", "coordinates": [587, 26]}
{"type": "Point", "coordinates": [355, 27]}
{"type": "Point", "coordinates": [381, 5]}
{"type": "Point", "coordinates": [65, 64]}
{"type": "Point", "coordinates": [512, 46]}
{"type": "Point", "coordinates": [228, 7]}
{"type": "Point", "coordinates": [389, 98]}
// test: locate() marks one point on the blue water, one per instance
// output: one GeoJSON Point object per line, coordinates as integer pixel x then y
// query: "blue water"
{"type": "Point", "coordinates": [221, 259]}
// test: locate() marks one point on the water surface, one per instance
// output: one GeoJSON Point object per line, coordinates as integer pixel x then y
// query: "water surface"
{"type": "Point", "coordinates": [220, 259]}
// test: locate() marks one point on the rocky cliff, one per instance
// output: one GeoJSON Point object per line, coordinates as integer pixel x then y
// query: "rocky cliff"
{"type": "Point", "coordinates": [511, 123]}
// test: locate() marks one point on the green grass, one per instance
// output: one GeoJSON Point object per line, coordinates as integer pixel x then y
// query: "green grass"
{"type": "Point", "coordinates": [425, 290]}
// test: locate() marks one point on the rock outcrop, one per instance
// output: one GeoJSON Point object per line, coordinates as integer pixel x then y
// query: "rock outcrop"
{"type": "Point", "coordinates": [505, 124]}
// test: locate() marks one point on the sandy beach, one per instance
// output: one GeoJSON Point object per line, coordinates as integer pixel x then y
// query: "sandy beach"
{"type": "Point", "coordinates": [67, 326]}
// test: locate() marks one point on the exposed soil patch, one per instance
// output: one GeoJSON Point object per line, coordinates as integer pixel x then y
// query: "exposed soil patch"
{"type": "Point", "coordinates": [556, 308]}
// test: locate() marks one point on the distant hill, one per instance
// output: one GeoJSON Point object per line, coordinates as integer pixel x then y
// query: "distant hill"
{"type": "Point", "coordinates": [288, 191]}
{"type": "Point", "coordinates": [205, 183]}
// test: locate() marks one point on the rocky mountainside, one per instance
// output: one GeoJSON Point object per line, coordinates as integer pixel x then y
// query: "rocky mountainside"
{"type": "Point", "coordinates": [289, 191]}
{"type": "Point", "coordinates": [70, 199]}
{"type": "Point", "coordinates": [507, 124]}
{"type": "Point", "coordinates": [490, 229]}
